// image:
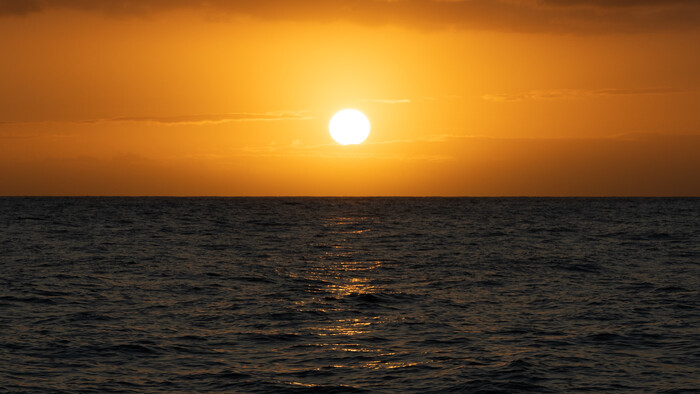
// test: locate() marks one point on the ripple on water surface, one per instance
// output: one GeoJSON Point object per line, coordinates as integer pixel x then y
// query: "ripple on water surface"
{"type": "Point", "coordinates": [350, 295]}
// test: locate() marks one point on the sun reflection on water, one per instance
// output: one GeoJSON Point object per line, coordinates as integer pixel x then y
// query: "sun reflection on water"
{"type": "Point", "coordinates": [343, 285]}
{"type": "Point", "coordinates": [346, 327]}
{"type": "Point", "coordinates": [344, 272]}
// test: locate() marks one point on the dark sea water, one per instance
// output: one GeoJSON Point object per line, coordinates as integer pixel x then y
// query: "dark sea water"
{"type": "Point", "coordinates": [349, 295]}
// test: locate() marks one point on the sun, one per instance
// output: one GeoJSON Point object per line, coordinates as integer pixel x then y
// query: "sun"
{"type": "Point", "coordinates": [349, 126]}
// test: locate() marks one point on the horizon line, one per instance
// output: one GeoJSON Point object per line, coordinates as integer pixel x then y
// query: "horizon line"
{"type": "Point", "coordinates": [344, 196]}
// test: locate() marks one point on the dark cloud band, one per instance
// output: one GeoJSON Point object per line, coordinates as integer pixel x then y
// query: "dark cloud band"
{"type": "Point", "coordinates": [561, 16]}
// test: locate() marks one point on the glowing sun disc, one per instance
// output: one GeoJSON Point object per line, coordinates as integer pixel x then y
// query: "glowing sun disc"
{"type": "Point", "coordinates": [349, 126]}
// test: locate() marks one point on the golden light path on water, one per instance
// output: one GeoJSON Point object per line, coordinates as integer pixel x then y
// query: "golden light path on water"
{"type": "Point", "coordinates": [344, 273]}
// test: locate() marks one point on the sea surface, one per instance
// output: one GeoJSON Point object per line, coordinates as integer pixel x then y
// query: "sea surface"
{"type": "Point", "coordinates": [281, 295]}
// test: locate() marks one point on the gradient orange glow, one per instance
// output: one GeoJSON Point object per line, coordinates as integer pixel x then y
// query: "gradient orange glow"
{"type": "Point", "coordinates": [469, 98]}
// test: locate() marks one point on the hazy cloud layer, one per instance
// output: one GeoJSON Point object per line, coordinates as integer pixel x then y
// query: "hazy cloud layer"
{"type": "Point", "coordinates": [209, 118]}
{"type": "Point", "coordinates": [406, 100]}
{"type": "Point", "coordinates": [200, 119]}
{"type": "Point", "coordinates": [387, 101]}
{"type": "Point", "coordinates": [564, 16]}
{"type": "Point", "coordinates": [568, 94]}
{"type": "Point", "coordinates": [618, 3]}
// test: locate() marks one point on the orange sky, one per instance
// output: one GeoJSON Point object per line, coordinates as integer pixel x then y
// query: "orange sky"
{"type": "Point", "coordinates": [467, 98]}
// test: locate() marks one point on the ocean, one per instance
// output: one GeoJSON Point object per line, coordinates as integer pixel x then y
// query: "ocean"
{"type": "Point", "coordinates": [279, 295]}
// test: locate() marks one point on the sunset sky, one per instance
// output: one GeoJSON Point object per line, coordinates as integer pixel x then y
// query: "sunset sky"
{"type": "Point", "coordinates": [465, 98]}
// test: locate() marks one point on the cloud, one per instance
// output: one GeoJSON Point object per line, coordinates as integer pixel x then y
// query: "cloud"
{"type": "Point", "coordinates": [209, 118]}
{"type": "Point", "coordinates": [19, 7]}
{"type": "Point", "coordinates": [407, 100]}
{"type": "Point", "coordinates": [570, 94]}
{"type": "Point", "coordinates": [618, 92]}
{"type": "Point", "coordinates": [619, 3]}
{"type": "Point", "coordinates": [387, 101]}
{"type": "Point", "coordinates": [200, 119]}
{"type": "Point", "coordinates": [329, 151]}
{"type": "Point", "coordinates": [563, 16]}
